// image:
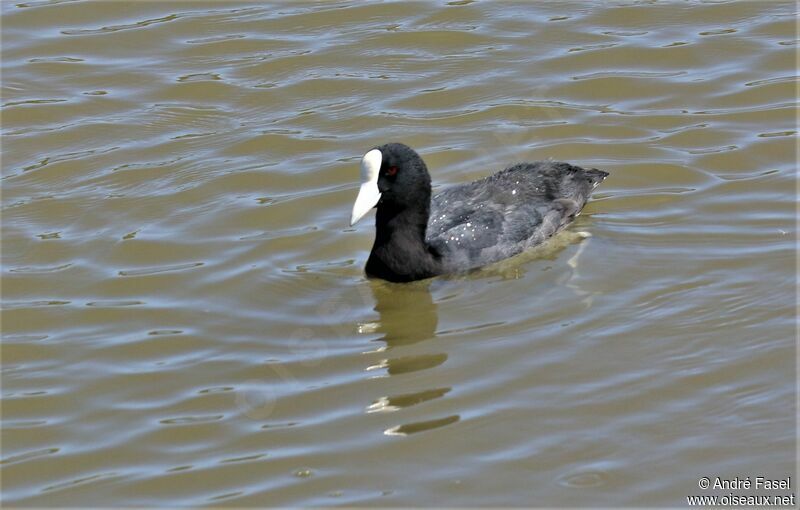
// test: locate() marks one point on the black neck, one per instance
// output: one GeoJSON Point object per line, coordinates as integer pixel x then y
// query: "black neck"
{"type": "Point", "coordinates": [391, 219]}
{"type": "Point", "coordinates": [400, 252]}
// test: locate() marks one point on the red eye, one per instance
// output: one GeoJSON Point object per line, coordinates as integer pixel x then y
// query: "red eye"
{"type": "Point", "coordinates": [391, 171]}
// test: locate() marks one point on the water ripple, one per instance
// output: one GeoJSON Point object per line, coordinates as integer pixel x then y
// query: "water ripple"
{"type": "Point", "coordinates": [185, 317]}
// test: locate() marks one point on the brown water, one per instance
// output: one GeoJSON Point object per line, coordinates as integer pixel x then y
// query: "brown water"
{"type": "Point", "coordinates": [185, 317]}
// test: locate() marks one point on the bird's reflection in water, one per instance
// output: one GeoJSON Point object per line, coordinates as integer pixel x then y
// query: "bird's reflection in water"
{"type": "Point", "coordinates": [407, 312]}
{"type": "Point", "coordinates": [408, 316]}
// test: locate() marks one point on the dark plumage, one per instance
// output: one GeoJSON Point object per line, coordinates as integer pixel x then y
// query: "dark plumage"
{"type": "Point", "coordinates": [464, 226]}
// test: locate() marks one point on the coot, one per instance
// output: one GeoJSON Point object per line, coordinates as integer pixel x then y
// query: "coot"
{"type": "Point", "coordinates": [465, 226]}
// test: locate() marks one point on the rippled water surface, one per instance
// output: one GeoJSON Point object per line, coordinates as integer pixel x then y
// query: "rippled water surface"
{"type": "Point", "coordinates": [185, 318]}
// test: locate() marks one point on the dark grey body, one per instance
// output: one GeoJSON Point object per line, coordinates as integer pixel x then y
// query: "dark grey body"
{"type": "Point", "coordinates": [470, 225]}
{"type": "Point", "coordinates": [497, 217]}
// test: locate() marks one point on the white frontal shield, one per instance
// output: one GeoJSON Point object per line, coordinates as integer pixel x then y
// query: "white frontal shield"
{"type": "Point", "coordinates": [368, 194]}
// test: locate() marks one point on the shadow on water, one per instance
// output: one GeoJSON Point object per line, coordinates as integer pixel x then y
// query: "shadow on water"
{"type": "Point", "coordinates": [408, 317]}
{"type": "Point", "coordinates": [408, 323]}
{"type": "Point", "coordinates": [408, 314]}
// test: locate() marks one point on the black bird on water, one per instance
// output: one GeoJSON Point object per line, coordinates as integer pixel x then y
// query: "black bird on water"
{"type": "Point", "coordinates": [465, 226]}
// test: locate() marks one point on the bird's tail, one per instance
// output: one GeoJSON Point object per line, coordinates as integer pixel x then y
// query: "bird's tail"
{"type": "Point", "coordinates": [596, 176]}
